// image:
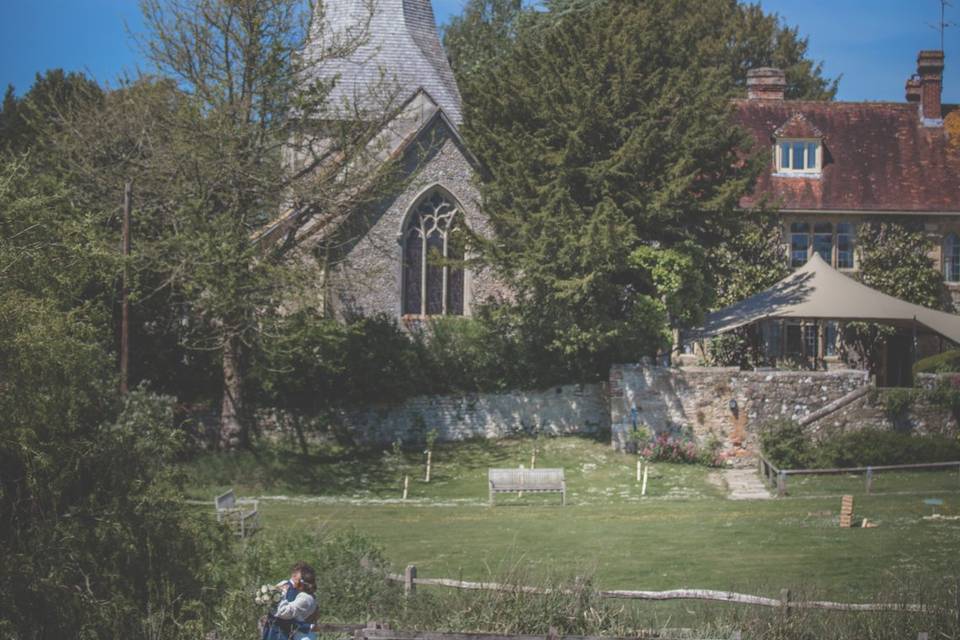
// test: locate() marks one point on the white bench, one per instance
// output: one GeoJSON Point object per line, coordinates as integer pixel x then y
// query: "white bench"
{"type": "Point", "coordinates": [530, 480]}
{"type": "Point", "coordinates": [242, 515]}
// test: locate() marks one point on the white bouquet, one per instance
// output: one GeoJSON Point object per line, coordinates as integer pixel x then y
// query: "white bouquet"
{"type": "Point", "coordinates": [267, 595]}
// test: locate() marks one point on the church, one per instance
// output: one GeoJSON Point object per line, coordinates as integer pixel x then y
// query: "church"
{"type": "Point", "coordinates": [832, 167]}
{"type": "Point", "coordinates": [386, 263]}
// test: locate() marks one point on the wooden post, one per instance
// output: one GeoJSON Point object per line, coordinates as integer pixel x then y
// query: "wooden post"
{"type": "Point", "coordinates": [639, 465]}
{"type": "Point", "coordinates": [643, 487]}
{"type": "Point", "coordinates": [429, 456]}
{"type": "Point", "coordinates": [533, 458]}
{"type": "Point", "coordinates": [785, 601]}
{"type": "Point", "coordinates": [520, 493]}
{"type": "Point", "coordinates": [923, 635]}
{"type": "Point", "coordinates": [406, 486]}
{"type": "Point", "coordinates": [410, 580]}
{"type": "Point", "coordinates": [782, 484]}
{"type": "Point", "coordinates": [125, 293]}
{"type": "Point", "coordinates": [869, 479]}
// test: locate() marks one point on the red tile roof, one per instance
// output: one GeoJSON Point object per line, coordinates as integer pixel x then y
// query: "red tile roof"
{"type": "Point", "coordinates": [877, 156]}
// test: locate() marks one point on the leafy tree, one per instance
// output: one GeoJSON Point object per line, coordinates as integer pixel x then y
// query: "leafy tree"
{"type": "Point", "coordinates": [94, 540]}
{"type": "Point", "coordinates": [894, 259]}
{"type": "Point", "coordinates": [606, 134]}
{"type": "Point", "coordinates": [480, 36]}
{"type": "Point", "coordinates": [227, 140]}
{"type": "Point", "coordinates": [23, 119]}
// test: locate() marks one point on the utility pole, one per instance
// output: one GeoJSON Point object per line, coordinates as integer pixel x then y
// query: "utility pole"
{"type": "Point", "coordinates": [125, 292]}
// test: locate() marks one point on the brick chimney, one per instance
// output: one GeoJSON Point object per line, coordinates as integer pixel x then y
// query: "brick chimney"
{"type": "Point", "coordinates": [930, 71]}
{"type": "Point", "coordinates": [766, 83]}
{"type": "Point", "coordinates": [913, 89]}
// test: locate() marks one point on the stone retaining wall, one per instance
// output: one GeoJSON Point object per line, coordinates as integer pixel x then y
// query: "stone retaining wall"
{"type": "Point", "coordinates": [565, 410]}
{"type": "Point", "coordinates": [719, 403]}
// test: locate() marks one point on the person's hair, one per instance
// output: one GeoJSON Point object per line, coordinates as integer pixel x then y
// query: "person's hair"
{"type": "Point", "coordinates": [308, 577]}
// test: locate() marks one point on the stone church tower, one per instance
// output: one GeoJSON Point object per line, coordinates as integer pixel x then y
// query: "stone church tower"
{"type": "Point", "coordinates": [386, 266]}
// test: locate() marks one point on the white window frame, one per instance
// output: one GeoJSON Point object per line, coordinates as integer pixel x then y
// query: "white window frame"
{"type": "Point", "coordinates": [805, 171]}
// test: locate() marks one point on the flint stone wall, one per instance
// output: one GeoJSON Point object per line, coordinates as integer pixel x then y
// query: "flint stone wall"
{"type": "Point", "coordinates": [698, 400]}
{"type": "Point", "coordinates": [566, 410]}
{"type": "Point", "coordinates": [869, 412]}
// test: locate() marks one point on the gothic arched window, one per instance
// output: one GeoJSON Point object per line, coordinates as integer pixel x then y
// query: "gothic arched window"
{"type": "Point", "coordinates": [951, 258]}
{"type": "Point", "coordinates": [431, 286]}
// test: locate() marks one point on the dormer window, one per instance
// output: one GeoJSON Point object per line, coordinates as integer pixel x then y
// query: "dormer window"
{"type": "Point", "coordinates": [799, 157]}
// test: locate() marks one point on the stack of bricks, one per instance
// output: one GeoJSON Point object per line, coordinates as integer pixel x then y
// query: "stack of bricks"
{"type": "Point", "coordinates": [846, 512]}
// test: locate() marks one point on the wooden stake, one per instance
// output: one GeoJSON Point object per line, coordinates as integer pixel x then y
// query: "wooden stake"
{"type": "Point", "coordinates": [533, 459]}
{"type": "Point", "coordinates": [643, 487]}
{"type": "Point", "coordinates": [406, 486]}
{"type": "Point", "coordinates": [125, 292]}
{"type": "Point", "coordinates": [409, 580]}
{"type": "Point", "coordinates": [639, 465]}
{"type": "Point", "coordinates": [429, 456]}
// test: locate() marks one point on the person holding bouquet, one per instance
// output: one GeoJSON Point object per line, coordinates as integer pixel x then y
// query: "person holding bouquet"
{"type": "Point", "coordinates": [294, 614]}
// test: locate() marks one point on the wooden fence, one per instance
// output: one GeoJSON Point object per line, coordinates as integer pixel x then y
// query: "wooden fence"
{"type": "Point", "coordinates": [778, 477]}
{"type": "Point", "coordinates": [411, 581]}
{"type": "Point", "coordinates": [379, 631]}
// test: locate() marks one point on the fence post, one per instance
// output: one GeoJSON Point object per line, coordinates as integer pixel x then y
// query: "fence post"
{"type": "Point", "coordinates": [782, 484]}
{"type": "Point", "coordinates": [869, 479]}
{"type": "Point", "coordinates": [410, 580]}
{"type": "Point", "coordinates": [785, 601]}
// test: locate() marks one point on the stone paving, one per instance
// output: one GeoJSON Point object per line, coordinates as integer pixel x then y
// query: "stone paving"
{"type": "Point", "coordinates": [745, 484]}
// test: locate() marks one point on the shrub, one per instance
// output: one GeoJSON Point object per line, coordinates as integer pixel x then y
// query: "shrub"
{"type": "Point", "coordinates": [786, 445]}
{"type": "Point", "coordinates": [666, 447]}
{"type": "Point", "coordinates": [881, 447]}
{"type": "Point", "coordinates": [946, 362]}
{"type": "Point", "coordinates": [897, 404]}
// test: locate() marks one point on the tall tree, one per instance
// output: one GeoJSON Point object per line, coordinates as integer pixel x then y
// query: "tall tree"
{"type": "Point", "coordinates": [231, 136]}
{"type": "Point", "coordinates": [612, 168]}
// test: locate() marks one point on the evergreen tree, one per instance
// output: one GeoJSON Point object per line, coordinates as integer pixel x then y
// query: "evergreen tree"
{"type": "Point", "coordinates": [613, 168]}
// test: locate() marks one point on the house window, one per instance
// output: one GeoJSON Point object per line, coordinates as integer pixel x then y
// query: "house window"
{"type": "Point", "coordinates": [799, 156]}
{"type": "Point", "coordinates": [799, 244]}
{"type": "Point", "coordinates": [834, 243]}
{"type": "Point", "coordinates": [832, 338]}
{"type": "Point", "coordinates": [823, 241]}
{"type": "Point", "coordinates": [772, 338]}
{"type": "Point", "coordinates": [844, 245]}
{"type": "Point", "coordinates": [431, 286]}
{"type": "Point", "coordinates": [810, 337]}
{"type": "Point", "coordinates": [951, 258]}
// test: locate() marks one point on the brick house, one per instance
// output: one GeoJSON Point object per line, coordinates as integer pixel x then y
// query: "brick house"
{"type": "Point", "coordinates": [837, 165]}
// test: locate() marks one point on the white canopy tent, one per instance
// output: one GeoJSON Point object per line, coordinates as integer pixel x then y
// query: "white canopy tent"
{"type": "Point", "coordinates": [817, 291]}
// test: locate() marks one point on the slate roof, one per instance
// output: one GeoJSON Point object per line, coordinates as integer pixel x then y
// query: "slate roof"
{"type": "Point", "coordinates": [400, 52]}
{"type": "Point", "coordinates": [877, 156]}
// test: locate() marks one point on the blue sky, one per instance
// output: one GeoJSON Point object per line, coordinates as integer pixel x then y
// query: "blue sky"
{"type": "Point", "coordinates": [872, 43]}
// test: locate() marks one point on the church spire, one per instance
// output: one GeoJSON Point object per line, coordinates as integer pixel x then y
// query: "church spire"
{"type": "Point", "coordinates": [399, 47]}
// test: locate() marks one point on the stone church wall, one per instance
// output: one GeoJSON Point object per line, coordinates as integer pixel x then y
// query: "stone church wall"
{"type": "Point", "coordinates": [699, 400]}
{"type": "Point", "coordinates": [367, 279]}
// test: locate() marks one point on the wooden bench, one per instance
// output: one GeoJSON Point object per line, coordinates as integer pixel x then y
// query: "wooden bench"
{"type": "Point", "coordinates": [530, 480]}
{"type": "Point", "coordinates": [241, 515]}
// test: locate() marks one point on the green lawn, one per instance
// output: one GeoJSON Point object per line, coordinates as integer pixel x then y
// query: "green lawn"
{"type": "Point", "coordinates": [685, 534]}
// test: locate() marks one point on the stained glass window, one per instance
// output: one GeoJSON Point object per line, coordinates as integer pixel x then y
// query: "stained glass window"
{"type": "Point", "coordinates": [431, 285]}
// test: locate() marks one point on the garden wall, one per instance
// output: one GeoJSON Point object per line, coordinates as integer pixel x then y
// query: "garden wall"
{"type": "Point", "coordinates": [871, 412]}
{"type": "Point", "coordinates": [698, 400]}
{"type": "Point", "coordinates": [566, 410]}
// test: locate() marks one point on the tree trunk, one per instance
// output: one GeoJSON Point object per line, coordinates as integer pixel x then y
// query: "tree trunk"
{"type": "Point", "coordinates": [231, 409]}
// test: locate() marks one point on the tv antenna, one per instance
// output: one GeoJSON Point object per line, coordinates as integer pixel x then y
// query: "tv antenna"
{"type": "Point", "coordinates": [944, 24]}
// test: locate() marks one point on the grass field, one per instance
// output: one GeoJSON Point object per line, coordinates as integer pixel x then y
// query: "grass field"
{"type": "Point", "coordinates": [684, 534]}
